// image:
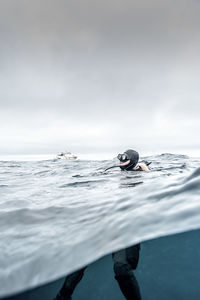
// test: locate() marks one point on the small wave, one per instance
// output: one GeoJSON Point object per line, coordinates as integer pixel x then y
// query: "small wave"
{"type": "Point", "coordinates": [27, 216]}
{"type": "Point", "coordinates": [133, 184]}
{"type": "Point", "coordinates": [42, 172]}
{"type": "Point", "coordinates": [81, 183]}
{"type": "Point", "coordinates": [195, 174]}
{"type": "Point", "coordinates": [189, 185]}
{"type": "Point", "coordinates": [170, 168]}
{"type": "Point", "coordinates": [172, 156]}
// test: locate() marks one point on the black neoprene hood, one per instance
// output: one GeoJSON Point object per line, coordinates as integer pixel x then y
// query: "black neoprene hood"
{"type": "Point", "coordinates": [133, 156]}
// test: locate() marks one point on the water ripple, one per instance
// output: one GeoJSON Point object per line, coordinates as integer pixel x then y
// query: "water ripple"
{"type": "Point", "coordinates": [49, 210]}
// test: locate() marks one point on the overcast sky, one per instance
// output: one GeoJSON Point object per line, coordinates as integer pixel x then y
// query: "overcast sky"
{"type": "Point", "coordinates": [99, 75]}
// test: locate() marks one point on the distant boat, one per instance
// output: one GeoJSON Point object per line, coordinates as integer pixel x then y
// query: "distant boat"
{"type": "Point", "coordinates": [66, 155]}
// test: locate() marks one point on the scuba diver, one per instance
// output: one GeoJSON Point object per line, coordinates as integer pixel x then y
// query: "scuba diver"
{"type": "Point", "coordinates": [125, 260]}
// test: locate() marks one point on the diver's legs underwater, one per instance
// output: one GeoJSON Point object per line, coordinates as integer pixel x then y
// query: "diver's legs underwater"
{"type": "Point", "coordinates": [125, 261]}
{"type": "Point", "coordinates": [70, 284]}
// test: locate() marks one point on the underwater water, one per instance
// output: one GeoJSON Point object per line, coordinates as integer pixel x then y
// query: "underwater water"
{"type": "Point", "coordinates": [57, 215]}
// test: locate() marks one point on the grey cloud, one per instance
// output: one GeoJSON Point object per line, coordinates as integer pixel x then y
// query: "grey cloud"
{"type": "Point", "coordinates": [124, 64]}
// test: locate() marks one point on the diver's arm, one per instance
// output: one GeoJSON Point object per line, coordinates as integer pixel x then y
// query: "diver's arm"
{"type": "Point", "coordinates": [143, 167]}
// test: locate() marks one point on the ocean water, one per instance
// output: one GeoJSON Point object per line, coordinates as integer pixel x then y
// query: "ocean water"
{"type": "Point", "coordinates": [58, 215]}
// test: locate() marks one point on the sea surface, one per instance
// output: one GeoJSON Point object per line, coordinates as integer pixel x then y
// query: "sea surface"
{"type": "Point", "coordinates": [58, 215]}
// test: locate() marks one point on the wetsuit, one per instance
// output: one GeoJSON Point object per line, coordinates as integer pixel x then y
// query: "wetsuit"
{"type": "Point", "coordinates": [125, 261]}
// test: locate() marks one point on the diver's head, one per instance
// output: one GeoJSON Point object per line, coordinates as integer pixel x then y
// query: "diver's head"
{"type": "Point", "coordinates": [128, 160]}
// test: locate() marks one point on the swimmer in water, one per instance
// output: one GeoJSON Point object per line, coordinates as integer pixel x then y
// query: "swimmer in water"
{"type": "Point", "coordinates": [129, 161]}
{"type": "Point", "coordinates": [125, 260]}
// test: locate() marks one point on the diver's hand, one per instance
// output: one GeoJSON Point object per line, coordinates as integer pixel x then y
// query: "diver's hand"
{"type": "Point", "coordinates": [100, 171]}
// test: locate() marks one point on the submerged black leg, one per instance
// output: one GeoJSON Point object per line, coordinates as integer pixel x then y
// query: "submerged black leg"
{"type": "Point", "coordinates": [127, 281]}
{"type": "Point", "coordinates": [70, 284]}
{"type": "Point", "coordinates": [124, 274]}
